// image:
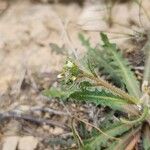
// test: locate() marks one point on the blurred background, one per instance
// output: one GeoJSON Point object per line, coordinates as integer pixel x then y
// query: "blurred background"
{"type": "Point", "coordinates": [30, 30]}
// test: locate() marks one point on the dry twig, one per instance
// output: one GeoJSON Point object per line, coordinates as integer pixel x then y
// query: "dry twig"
{"type": "Point", "coordinates": [39, 121]}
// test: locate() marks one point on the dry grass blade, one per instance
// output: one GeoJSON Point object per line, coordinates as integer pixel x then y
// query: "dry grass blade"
{"type": "Point", "coordinates": [146, 137]}
{"type": "Point", "coordinates": [127, 138]}
{"type": "Point", "coordinates": [134, 141]}
{"type": "Point", "coordinates": [75, 133]}
{"type": "Point", "coordinates": [40, 121]}
{"type": "Point", "coordinates": [132, 109]}
{"type": "Point", "coordinates": [98, 129]}
{"type": "Point", "coordinates": [146, 78]}
{"type": "Point", "coordinates": [145, 11]}
{"type": "Point", "coordinates": [140, 20]}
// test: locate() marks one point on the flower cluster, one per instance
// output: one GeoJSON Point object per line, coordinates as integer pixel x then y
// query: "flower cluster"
{"type": "Point", "coordinates": [70, 73]}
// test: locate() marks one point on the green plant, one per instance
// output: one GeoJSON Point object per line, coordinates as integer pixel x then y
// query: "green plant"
{"type": "Point", "coordinates": [82, 80]}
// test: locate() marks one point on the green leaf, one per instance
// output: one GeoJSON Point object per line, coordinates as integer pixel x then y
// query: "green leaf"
{"type": "Point", "coordinates": [100, 98]}
{"type": "Point", "coordinates": [56, 93]}
{"type": "Point", "coordinates": [96, 143]}
{"type": "Point", "coordinates": [122, 66]}
{"type": "Point", "coordinates": [112, 64]}
{"type": "Point", "coordinates": [96, 58]}
{"type": "Point", "coordinates": [83, 85]}
{"type": "Point", "coordinates": [85, 42]}
{"type": "Point", "coordinates": [87, 61]}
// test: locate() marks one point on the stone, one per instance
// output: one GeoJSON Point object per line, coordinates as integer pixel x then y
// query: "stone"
{"type": "Point", "coordinates": [27, 143]}
{"type": "Point", "coordinates": [10, 143]}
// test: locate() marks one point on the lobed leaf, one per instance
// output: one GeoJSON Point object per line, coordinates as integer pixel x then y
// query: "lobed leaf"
{"type": "Point", "coordinates": [111, 63]}
{"type": "Point", "coordinates": [100, 98]}
{"type": "Point", "coordinates": [123, 67]}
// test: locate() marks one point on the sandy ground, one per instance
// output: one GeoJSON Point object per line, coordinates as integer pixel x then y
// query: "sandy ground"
{"type": "Point", "coordinates": [27, 29]}
{"type": "Point", "coordinates": [27, 64]}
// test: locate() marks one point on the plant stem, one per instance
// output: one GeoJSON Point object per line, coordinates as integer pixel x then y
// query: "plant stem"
{"type": "Point", "coordinates": [101, 82]}
{"type": "Point", "coordinates": [140, 119]}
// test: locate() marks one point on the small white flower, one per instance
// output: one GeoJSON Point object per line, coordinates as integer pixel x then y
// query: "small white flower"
{"type": "Point", "coordinates": [73, 78]}
{"type": "Point", "coordinates": [69, 64]}
{"type": "Point", "coordinates": [59, 76]}
{"type": "Point", "coordinates": [139, 107]}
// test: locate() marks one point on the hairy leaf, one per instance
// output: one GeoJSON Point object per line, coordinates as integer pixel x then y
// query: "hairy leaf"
{"type": "Point", "coordinates": [94, 57]}
{"type": "Point", "coordinates": [123, 67]}
{"type": "Point", "coordinates": [112, 64]}
{"type": "Point", "coordinates": [100, 98]}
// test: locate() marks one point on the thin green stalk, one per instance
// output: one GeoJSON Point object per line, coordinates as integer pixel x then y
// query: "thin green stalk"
{"type": "Point", "coordinates": [140, 119]}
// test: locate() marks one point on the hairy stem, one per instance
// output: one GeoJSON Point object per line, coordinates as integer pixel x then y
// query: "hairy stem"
{"type": "Point", "coordinates": [101, 82]}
